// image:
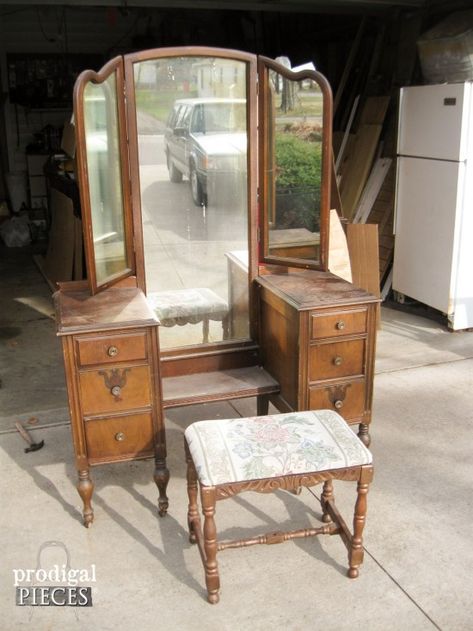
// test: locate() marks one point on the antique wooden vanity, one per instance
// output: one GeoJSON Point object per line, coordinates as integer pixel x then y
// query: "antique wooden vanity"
{"type": "Point", "coordinates": [204, 178]}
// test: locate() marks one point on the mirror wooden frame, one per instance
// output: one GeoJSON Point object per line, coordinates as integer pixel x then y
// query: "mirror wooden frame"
{"type": "Point", "coordinates": [114, 66]}
{"type": "Point", "coordinates": [264, 66]}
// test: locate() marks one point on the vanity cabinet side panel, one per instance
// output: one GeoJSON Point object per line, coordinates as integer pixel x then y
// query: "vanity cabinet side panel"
{"type": "Point", "coordinates": [370, 357]}
{"type": "Point", "coordinates": [77, 428]}
{"type": "Point", "coordinates": [279, 344]}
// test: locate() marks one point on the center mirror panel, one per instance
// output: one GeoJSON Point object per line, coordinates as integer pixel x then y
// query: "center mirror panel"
{"type": "Point", "coordinates": [192, 124]}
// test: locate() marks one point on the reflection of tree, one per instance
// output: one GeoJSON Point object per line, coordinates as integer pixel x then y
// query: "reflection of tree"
{"type": "Point", "coordinates": [288, 95]}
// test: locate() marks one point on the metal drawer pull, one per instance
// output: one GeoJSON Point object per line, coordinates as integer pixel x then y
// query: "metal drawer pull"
{"type": "Point", "coordinates": [340, 325]}
{"type": "Point", "coordinates": [112, 351]}
{"type": "Point", "coordinates": [115, 380]}
{"type": "Point", "coordinates": [338, 404]}
{"type": "Point", "coordinates": [120, 436]}
{"type": "Point", "coordinates": [337, 360]}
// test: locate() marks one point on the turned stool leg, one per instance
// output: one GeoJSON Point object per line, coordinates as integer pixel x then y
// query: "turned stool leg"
{"type": "Point", "coordinates": [226, 327]}
{"type": "Point", "coordinates": [86, 488]}
{"type": "Point", "coordinates": [327, 494]}
{"type": "Point", "coordinates": [212, 578]}
{"type": "Point", "coordinates": [193, 518]}
{"type": "Point", "coordinates": [355, 552]}
{"type": "Point", "coordinates": [205, 330]}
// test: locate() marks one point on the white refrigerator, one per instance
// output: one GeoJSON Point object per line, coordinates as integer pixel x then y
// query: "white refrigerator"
{"type": "Point", "coordinates": [433, 251]}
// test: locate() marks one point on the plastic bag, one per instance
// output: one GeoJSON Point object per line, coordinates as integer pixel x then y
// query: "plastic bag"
{"type": "Point", "coordinates": [15, 232]}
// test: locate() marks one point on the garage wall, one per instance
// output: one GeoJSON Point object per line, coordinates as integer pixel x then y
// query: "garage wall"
{"type": "Point", "coordinates": [52, 30]}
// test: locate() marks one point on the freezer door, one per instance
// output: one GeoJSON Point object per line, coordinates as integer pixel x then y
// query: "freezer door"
{"type": "Point", "coordinates": [434, 121]}
{"type": "Point", "coordinates": [428, 205]}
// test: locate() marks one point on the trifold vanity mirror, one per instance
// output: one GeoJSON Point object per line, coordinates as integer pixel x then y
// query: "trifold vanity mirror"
{"type": "Point", "coordinates": [204, 181]}
{"type": "Point", "coordinates": [215, 171]}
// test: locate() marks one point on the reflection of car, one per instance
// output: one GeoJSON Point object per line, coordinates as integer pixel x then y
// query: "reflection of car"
{"type": "Point", "coordinates": [205, 140]}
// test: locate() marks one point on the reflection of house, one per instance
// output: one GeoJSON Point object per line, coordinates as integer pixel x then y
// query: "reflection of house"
{"type": "Point", "coordinates": [220, 77]}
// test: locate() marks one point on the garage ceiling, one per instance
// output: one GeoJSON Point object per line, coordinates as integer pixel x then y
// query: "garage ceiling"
{"type": "Point", "coordinates": [296, 6]}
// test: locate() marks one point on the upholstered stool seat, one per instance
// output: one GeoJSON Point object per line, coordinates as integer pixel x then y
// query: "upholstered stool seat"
{"type": "Point", "coordinates": [190, 306]}
{"type": "Point", "coordinates": [267, 453]}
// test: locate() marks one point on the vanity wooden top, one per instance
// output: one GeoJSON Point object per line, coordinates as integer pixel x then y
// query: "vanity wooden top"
{"type": "Point", "coordinates": [309, 289]}
{"type": "Point", "coordinates": [79, 311]}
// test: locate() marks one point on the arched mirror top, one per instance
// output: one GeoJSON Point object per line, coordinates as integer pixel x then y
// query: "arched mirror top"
{"type": "Point", "coordinates": [295, 110]}
{"type": "Point", "coordinates": [102, 162]}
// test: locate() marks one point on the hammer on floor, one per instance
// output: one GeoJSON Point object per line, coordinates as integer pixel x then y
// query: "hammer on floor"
{"type": "Point", "coordinates": [29, 439]}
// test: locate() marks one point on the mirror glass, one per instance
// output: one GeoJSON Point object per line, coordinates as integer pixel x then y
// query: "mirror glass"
{"type": "Point", "coordinates": [104, 178]}
{"type": "Point", "coordinates": [192, 139]}
{"type": "Point", "coordinates": [294, 167]}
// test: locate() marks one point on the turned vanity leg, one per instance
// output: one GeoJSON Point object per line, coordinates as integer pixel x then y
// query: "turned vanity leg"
{"type": "Point", "coordinates": [364, 434]}
{"type": "Point", "coordinates": [86, 488]}
{"type": "Point", "coordinates": [262, 405]}
{"type": "Point", "coordinates": [161, 478]}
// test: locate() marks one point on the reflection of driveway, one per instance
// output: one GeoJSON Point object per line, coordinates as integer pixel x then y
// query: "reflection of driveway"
{"type": "Point", "coordinates": [169, 206]}
{"type": "Point", "coordinates": [148, 124]}
{"type": "Point", "coordinates": [184, 245]}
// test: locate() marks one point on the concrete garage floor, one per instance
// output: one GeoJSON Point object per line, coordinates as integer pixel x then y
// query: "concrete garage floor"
{"type": "Point", "coordinates": [418, 565]}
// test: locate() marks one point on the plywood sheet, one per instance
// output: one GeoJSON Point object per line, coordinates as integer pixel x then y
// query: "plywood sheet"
{"type": "Point", "coordinates": [58, 263]}
{"type": "Point", "coordinates": [374, 110]}
{"type": "Point", "coordinates": [362, 242]}
{"type": "Point", "coordinates": [338, 256]}
{"type": "Point", "coordinates": [355, 177]}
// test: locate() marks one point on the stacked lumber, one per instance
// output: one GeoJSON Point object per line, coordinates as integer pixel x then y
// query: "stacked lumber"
{"type": "Point", "coordinates": [360, 154]}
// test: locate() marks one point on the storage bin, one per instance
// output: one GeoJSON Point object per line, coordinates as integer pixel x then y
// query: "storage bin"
{"type": "Point", "coordinates": [446, 50]}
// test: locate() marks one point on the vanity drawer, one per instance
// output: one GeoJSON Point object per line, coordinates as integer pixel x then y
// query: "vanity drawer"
{"type": "Point", "coordinates": [114, 389]}
{"type": "Point", "coordinates": [111, 348]}
{"type": "Point", "coordinates": [348, 399]}
{"type": "Point", "coordinates": [119, 438]}
{"type": "Point", "coordinates": [350, 322]}
{"type": "Point", "coordinates": [336, 359]}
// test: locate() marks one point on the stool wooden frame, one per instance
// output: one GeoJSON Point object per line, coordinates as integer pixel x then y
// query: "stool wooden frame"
{"type": "Point", "coordinates": [206, 537]}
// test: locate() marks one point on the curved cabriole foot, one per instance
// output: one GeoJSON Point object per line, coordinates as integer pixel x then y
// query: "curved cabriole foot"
{"type": "Point", "coordinates": [161, 478]}
{"type": "Point", "coordinates": [85, 488]}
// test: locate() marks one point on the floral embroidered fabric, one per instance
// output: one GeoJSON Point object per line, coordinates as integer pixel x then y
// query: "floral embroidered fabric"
{"type": "Point", "coordinates": [235, 450]}
{"type": "Point", "coordinates": [187, 306]}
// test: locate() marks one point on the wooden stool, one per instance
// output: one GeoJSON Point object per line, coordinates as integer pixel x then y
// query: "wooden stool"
{"type": "Point", "coordinates": [190, 306]}
{"type": "Point", "coordinates": [267, 453]}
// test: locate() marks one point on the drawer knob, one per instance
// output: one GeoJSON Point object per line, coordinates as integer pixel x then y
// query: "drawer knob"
{"type": "Point", "coordinates": [112, 351]}
{"type": "Point", "coordinates": [340, 325]}
{"type": "Point", "coordinates": [116, 391]}
{"type": "Point", "coordinates": [338, 404]}
{"type": "Point", "coordinates": [338, 360]}
{"type": "Point", "coordinates": [120, 437]}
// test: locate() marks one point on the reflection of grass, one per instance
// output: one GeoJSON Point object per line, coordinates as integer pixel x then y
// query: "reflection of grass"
{"type": "Point", "coordinates": [298, 165]}
{"type": "Point", "coordinates": [306, 104]}
{"type": "Point", "coordinates": [158, 103]}
{"type": "Point", "coordinates": [298, 161]}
